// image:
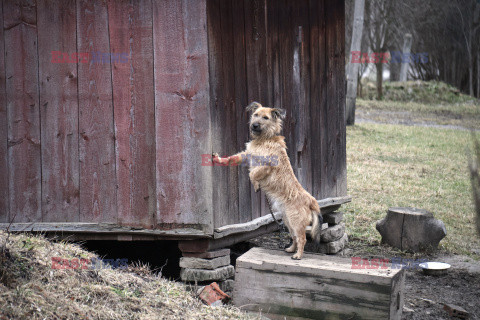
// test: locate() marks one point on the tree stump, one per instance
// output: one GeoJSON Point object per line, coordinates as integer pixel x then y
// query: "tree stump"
{"type": "Point", "coordinates": [411, 229]}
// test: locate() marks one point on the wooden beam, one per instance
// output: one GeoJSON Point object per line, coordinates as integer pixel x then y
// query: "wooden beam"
{"type": "Point", "coordinates": [204, 245]}
{"type": "Point", "coordinates": [327, 205]}
{"type": "Point", "coordinates": [330, 202]}
{"type": "Point", "coordinates": [81, 230]}
{"type": "Point", "coordinates": [245, 227]}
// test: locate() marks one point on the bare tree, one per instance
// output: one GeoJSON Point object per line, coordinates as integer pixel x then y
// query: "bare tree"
{"type": "Point", "coordinates": [379, 17]}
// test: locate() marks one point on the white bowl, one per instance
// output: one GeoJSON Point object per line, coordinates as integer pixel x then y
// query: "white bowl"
{"type": "Point", "coordinates": [434, 268]}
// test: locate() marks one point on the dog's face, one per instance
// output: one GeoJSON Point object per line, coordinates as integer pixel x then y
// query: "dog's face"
{"type": "Point", "coordinates": [265, 122]}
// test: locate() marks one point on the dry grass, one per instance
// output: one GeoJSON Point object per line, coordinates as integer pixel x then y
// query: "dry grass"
{"type": "Point", "coordinates": [31, 289]}
{"type": "Point", "coordinates": [392, 165]}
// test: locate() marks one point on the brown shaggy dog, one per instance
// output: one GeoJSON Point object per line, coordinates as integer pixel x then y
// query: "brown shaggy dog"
{"type": "Point", "coordinates": [270, 170]}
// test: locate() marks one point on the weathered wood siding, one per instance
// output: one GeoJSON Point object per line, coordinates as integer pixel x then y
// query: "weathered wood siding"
{"type": "Point", "coordinates": [105, 140]}
{"type": "Point", "coordinates": [118, 139]}
{"type": "Point", "coordinates": [287, 54]}
{"type": "Point", "coordinates": [316, 287]}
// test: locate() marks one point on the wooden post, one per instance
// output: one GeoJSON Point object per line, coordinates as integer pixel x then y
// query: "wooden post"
{"type": "Point", "coordinates": [407, 44]}
{"type": "Point", "coordinates": [352, 69]}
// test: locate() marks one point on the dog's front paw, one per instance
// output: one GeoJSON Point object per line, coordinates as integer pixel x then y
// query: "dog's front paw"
{"type": "Point", "coordinates": [296, 257]}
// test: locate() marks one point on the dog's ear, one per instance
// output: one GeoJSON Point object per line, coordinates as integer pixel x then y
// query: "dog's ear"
{"type": "Point", "coordinates": [253, 106]}
{"type": "Point", "coordinates": [279, 113]}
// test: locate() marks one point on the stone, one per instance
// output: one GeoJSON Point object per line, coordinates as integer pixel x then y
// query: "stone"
{"type": "Point", "coordinates": [332, 233]}
{"type": "Point", "coordinates": [411, 229]}
{"type": "Point", "coordinates": [226, 285]}
{"type": "Point", "coordinates": [334, 246]}
{"type": "Point", "coordinates": [333, 218]}
{"type": "Point", "coordinates": [208, 254]}
{"type": "Point", "coordinates": [456, 311]}
{"type": "Point", "coordinates": [199, 263]}
{"type": "Point", "coordinates": [219, 274]}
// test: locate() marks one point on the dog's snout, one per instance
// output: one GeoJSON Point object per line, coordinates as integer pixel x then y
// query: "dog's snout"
{"type": "Point", "coordinates": [255, 126]}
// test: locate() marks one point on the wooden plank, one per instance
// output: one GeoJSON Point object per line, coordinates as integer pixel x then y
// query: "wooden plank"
{"type": "Point", "coordinates": [59, 112]}
{"type": "Point", "coordinates": [275, 43]}
{"type": "Point", "coordinates": [222, 89]}
{"type": "Point", "coordinates": [81, 229]}
{"type": "Point", "coordinates": [182, 113]}
{"type": "Point", "coordinates": [330, 122]}
{"type": "Point", "coordinates": [318, 99]}
{"type": "Point", "coordinates": [287, 38]}
{"type": "Point", "coordinates": [96, 141]}
{"type": "Point", "coordinates": [4, 214]}
{"type": "Point", "coordinates": [229, 108]}
{"type": "Point", "coordinates": [246, 226]}
{"type": "Point", "coordinates": [241, 101]}
{"type": "Point", "coordinates": [204, 245]}
{"type": "Point", "coordinates": [219, 174]}
{"type": "Point", "coordinates": [301, 92]}
{"type": "Point", "coordinates": [327, 205]}
{"type": "Point", "coordinates": [330, 202]}
{"type": "Point", "coordinates": [130, 29]}
{"type": "Point", "coordinates": [340, 137]}
{"type": "Point", "coordinates": [320, 287]}
{"type": "Point", "coordinates": [23, 117]}
{"type": "Point", "coordinates": [256, 66]}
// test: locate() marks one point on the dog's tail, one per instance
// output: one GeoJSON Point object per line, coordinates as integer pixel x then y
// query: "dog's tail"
{"type": "Point", "coordinates": [316, 226]}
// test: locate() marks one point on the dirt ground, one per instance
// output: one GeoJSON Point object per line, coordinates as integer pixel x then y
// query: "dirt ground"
{"type": "Point", "coordinates": [424, 295]}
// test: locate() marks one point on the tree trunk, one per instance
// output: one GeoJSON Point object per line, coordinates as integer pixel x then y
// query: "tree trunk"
{"type": "Point", "coordinates": [478, 74]}
{"type": "Point", "coordinates": [379, 80]}
{"type": "Point", "coordinates": [407, 44]}
{"type": "Point", "coordinates": [352, 69]}
{"type": "Point", "coordinates": [470, 64]}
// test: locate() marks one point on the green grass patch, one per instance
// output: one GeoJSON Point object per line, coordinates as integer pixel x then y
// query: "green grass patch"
{"type": "Point", "coordinates": [407, 166]}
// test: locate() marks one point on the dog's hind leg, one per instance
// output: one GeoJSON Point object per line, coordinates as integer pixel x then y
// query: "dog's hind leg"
{"type": "Point", "coordinates": [300, 241]}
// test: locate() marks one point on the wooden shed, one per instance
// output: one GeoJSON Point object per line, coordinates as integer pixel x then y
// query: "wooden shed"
{"type": "Point", "coordinates": [106, 108]}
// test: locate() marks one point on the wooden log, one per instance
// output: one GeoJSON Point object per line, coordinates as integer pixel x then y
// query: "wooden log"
{"type": "Point", "coordinates": [316, 287]}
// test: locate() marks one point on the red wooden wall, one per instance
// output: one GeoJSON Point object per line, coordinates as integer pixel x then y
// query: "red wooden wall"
{"type": "Point", "coordinates": [109, 142]}
{"type": "Point", "coordinates": [287, 54]}
{"type": "Point", "coordinates": [121, 142]}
